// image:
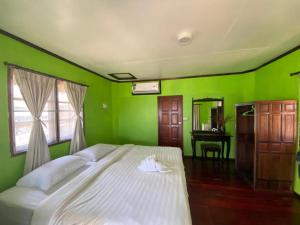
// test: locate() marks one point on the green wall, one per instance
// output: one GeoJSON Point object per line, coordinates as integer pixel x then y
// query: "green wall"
{"type": "Point", "coordinates": [97, 121]}
{"type": "Point", "coordinates": [135, 117]}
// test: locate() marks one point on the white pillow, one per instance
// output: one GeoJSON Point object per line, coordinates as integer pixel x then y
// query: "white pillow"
{"type": "Point", "coordinates": [52, 172]}
{"type": "Point", "coordinates": [96, 152]}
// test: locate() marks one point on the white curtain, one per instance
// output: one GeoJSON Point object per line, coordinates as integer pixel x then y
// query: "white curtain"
{"type": "Point", "coordinates": [76, 94]}
{"type": "Point", "coordinates": [196, 117]}
{"type": "Point", "coordinates": [35, 90]}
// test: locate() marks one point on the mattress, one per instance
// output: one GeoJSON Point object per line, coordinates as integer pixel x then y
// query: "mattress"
{"type": "Point", "coordinates": [115, 192]}
{"type": "Point", "coordinates": [17, 204]}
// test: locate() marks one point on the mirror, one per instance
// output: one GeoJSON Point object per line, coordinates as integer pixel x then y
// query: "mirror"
{"type": "Point", "coordinates": [208, 114]}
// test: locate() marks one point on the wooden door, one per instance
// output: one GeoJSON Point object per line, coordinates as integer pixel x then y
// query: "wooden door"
{"type": "Point", "coordinates": [170, 121]}
{"type": "Point", "coordinates": [275, 144]}
{"type": "Point", "coordinates": [245, 141]}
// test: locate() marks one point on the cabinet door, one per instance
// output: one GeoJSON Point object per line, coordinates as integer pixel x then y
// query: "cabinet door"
{"type": "Point", "coordinates": [288, 127]}
{"type": "Point", "coordinates": [264, 166]}
{"type": "Point", "coordinates": [275, 166]}
{"type": "Point", "coordinates": [262, 127]}
{"type": "Point", "coordinates": [275, 124]}
{"type": "Point", "coordinates": [286, 171]}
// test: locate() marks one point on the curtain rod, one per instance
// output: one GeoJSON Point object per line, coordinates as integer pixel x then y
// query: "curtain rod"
{"type": "Point", "coordinates": [41, 73]}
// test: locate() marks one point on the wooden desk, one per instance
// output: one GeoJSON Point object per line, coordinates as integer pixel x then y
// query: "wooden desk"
{"type": "Point", "coordinates": [211, 136]}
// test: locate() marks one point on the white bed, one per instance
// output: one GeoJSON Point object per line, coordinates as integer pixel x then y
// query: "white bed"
{"type": "Point", "coordinates": [114, 192]}
{"type": "Point", "coordinates": [17, 204]}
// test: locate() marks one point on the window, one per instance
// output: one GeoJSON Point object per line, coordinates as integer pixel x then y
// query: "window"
{"type": "Point", "coordinates": [58, 117]}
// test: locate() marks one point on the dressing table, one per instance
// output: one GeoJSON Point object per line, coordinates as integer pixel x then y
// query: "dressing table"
{"type": "Point", "coordinates": [208, 124]}
{"type": "Point", "coordinates": [199, 135]}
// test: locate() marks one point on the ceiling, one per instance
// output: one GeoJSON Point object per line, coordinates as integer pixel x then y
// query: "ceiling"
{"type": "Point", "coordinates": [140, 36]}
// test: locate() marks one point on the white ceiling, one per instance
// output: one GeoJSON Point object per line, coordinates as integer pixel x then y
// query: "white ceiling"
{"type": "Point", "coordinates": [139, 36]}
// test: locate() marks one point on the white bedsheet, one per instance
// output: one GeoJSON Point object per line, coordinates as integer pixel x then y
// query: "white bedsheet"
{"type": "Point", "coordinates": [116, 192]}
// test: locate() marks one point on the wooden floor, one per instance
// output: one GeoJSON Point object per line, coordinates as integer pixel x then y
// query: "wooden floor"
{"type": "Point", "coordinates": [219, 197]}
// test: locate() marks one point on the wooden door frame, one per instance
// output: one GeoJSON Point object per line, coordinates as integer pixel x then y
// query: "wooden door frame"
{"type": "Point", "coordinates": [158, 133]}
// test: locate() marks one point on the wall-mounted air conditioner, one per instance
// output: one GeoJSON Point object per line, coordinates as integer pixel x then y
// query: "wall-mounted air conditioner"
{"type": "Point", "coordinates": [145, 87]}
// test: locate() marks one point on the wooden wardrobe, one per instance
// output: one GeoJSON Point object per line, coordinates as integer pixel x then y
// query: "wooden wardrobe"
{"type": "Point", "coordinates": [275, 132]}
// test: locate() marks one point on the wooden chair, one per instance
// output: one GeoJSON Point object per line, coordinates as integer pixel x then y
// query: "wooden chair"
{"type": "Point", "coordinates": [209, 147]}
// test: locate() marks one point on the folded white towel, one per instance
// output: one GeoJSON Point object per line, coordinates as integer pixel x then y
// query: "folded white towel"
{"type": "Point", "coordinates": [150, 164]}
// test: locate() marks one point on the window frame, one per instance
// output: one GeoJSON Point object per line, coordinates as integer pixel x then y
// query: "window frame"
{"type": "Point", "coordinates": [11, 119]}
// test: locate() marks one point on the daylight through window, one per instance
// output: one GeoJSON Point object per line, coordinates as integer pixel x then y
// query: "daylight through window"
{"type": "Point", "coordinates": [58, 117]}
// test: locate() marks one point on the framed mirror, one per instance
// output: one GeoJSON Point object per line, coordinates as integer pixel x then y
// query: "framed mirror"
{"type": "Point", "coordinates": [208, 114]}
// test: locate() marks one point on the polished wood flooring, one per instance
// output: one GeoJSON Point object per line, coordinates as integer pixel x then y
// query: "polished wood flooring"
{"type": "Point", "coordinates": [219, 197]}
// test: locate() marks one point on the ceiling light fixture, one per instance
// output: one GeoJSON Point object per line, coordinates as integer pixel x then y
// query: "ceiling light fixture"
{"type": "Point", "coordinates": [184, 37]}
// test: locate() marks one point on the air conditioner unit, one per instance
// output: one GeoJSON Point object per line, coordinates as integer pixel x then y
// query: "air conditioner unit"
{"type": "Point", "coordinates": [146, 87]}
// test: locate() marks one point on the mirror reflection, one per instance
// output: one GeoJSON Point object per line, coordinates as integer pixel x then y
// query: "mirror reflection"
{"type": "Point", "coordinates": [208, 114]}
